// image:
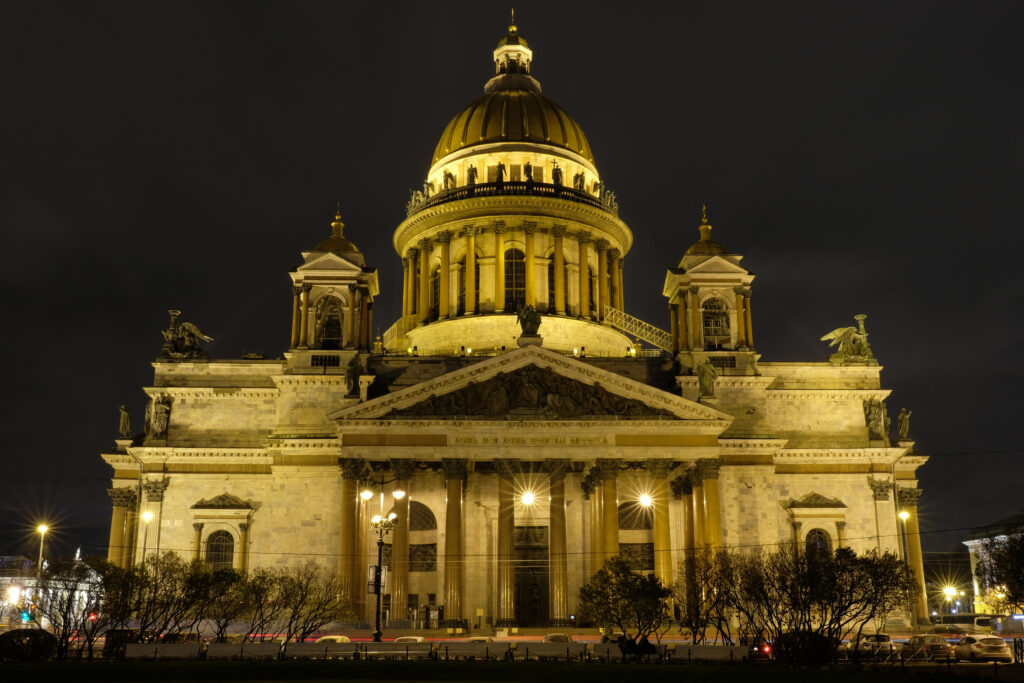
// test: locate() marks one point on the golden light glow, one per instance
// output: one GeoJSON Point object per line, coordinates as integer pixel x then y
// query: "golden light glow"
{"type": "Point", "coordinates": [392, 516]}
{"type": "Point", "coordinates": [950, 592]}
{"type": "Point", "coordinates": [13, 595]}
{"type": "Point", "coordinates": [646, 500]}
{"type": "Point", "coordinates": [904, 515]}
{"type": "Point", "coordinates": [398, 494]}
{"type": "Point", "coordinates": [528, 498]}
{"type": "Point", "coordinates": [366, 494]}
{"type": "Point", "coordinates": [375, 519]}
{"type": "Point", "coordinates": [147, 517]}
{"type": "Point", "coordinates": [42, 528]}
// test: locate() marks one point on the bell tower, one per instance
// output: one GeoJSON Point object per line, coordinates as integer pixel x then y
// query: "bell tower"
{"type": "Point", "coordinates": [709, 307]}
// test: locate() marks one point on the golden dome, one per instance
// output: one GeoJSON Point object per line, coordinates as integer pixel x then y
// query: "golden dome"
{"type": "Point", "coordinates": [705, 246]}
{"type": "Point", "coordinates": [336, 242]}
{"type": "Point", "coordinates": [513, 115]}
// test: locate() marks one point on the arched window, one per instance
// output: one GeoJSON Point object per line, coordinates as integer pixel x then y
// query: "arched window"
{"type": "Point", "coordinates": [421, 518]}
{"type": "Point", "coordinates": [462, 286]}
{"type": "Point", "coordinates": [716, 324]}
{"type": "Point", "coordinates": [818, 544]}
{"type": "Point", "coordinates": [329, 317]}
{"type": "Point", "coordinates": [422, 555]}
{"type": "Point", "coordinates": [636, 516]}
{"type": "Point", "coordinates": [220, 550]}
{"type": "Point", "coordinates": [435, 294]}
{"type": "Point", "coordinates": [515, 280]}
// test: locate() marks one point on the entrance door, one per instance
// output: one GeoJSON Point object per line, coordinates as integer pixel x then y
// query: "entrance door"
{"type": "Point", "coordinates": [531, 575]}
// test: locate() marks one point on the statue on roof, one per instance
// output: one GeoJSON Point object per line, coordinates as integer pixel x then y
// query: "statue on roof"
{"type": "Point", "coordinates": [352, 372]}
{"type": "Point", "coordinates": [124, 427]}
{"type": "Point", "coordinates": [182, 340]}
{"type": "Point", "coordinates": [852, 342]}
{"type": "Point", "coordinates": [528, 319]}
{"type": "Point", "coordinates": [706, 376]}
{"type": "Point", "coordinates": [449, 180]}
{"type": "Point", "coordinates": [471, 175]}
{"type": "Point", "coordinates": [903, 423]}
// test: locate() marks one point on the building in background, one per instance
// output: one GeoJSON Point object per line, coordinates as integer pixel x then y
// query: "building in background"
{"type": "Point", "coordinates": [527, 455]}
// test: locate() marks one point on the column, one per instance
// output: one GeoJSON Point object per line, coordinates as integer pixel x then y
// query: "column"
{"type": "Point", "coordinates": [707, 470]}
{"type": "Point", "coordinates": [684, 333]}
{"type": "Point", "coordinates": [131, 531]}
{"type": "Point", "coordinates": [610, 505]}
{"type": "Point", "coordinates": [197, 540]}
{"type": "Point", "coordinates": [121, 498]}
{"type": "Point", "coordinates": [444, 291]}
{"type": "Point", "coordinates": [613, 280]}
{"type": "Point", "coordinates": [304, 318]}
{"type": "Point", "coordinates": [296, 312]}
{"type": "Point", "coordinates": [243, 547]}
{"type": "Point", "coordinates": [499, 267]}
{"type": "Point", "coordinates": [455, 477]}
{"type": "Point", "coordinates": [593, 493]}
{"type": "Point", "coordinates": [658, 470]}
{"type": "Point", "coordinates": [366, 322]}
{"type": "Point", "coordinates": [908, 501]}
{"type": "Point", "coordinates": [746, 315]}
{"type": "Point", "coordinates": [583, 239]}
{"type": "Point", "coordinates": [558, 263]}
{"type": "Point", "coordinates": [673, 319]}
{"type": "Point", "coordinates": [423, 306]}
{"type": "Point", "coordinates": [888, 536]}
{"type": "Point", "coordinates": [840, 534]}
{"type": "Point", "coordinates": [350, 336]}
{"type": "Point", "coordinates": [558, 573]}
{"type": "Point", "coordinates": [411, 291]}
{"type": "Point", "coordinates": [351, 470]}
{"type": "Point", "coordinates": [620, 294]}
{"type": "Point", "coordinates": [399, 579]}
{"type": "Point", "coordinates": [741, 324]}
{"type": "Point", "coordinates": [699, 540]}
{"type": "Point", "coordinates": [470, 273]}
{"type": "Point", "coordinates": [695, 327]}
{"type": "Point", "coordinates": [507, 470]}
{"type": "Point", "coordinates": [529, 228]}
{"type": "Point", "coordinates": [685, 489]}
{"type": "Point", "coordinates": [603, 291]}
{"type": "Point", "coordinates": [405, 287]}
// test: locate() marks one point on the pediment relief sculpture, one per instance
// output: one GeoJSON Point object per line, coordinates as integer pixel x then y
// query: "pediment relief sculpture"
{"type": "Point", "coordinates": [224, 501]}
{"type": "Point", "coordinates": [530, 392]}
{"type": "Point", "coordinates": [816, 500]}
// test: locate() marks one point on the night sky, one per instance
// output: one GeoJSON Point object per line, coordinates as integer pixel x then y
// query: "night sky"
{"type": "Point", "coordinates": [863, 157]}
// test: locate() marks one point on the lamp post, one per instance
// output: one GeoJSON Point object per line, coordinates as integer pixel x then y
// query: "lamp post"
{"type": "Point", "coordinates": [42, 529]}
{"type": "Point", "coordinates": [147, 517]}
{"type": "Point", "coordinates": [383, 525]}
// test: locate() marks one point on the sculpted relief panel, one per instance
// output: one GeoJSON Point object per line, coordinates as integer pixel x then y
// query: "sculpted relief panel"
{"type": "Point", "coordinates": [530, 392]}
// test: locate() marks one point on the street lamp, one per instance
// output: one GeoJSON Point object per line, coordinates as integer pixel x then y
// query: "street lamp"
{"type": "Point", "coordinates": [42, 529]}
{"type": "Point", "coordinates": [950, 593]}
{"type": "Point", "coordinates": [147, 517]}
{"type": "Point", "coordinates": [383, 525]}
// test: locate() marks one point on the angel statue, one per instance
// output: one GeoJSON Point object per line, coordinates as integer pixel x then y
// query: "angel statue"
{"type": "Point", "coordinates": [528, 319]}
{"type": "Point", "coordinates": [852, 341]}
{"type": "Point", "coordinates": [182, 340]}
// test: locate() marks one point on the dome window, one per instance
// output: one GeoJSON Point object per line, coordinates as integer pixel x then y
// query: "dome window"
{"type": "Point", "coordinates": [515, 279]}
{"type": "Point", "coordinates": [716, 324]}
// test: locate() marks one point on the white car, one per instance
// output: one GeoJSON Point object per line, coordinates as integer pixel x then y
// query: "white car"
{"type": "Point", "coordinates": [979, 648]}
{"type": "Point", "coordinates": [333, 639]}
{"type": "Point", "coordinates": [876, 645]}
{"type": "Point", "coordinates": [410, 639]}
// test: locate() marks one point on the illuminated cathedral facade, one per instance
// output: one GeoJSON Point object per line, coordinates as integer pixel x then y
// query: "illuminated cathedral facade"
{"type": "Point", "coordinates": [525, 460]}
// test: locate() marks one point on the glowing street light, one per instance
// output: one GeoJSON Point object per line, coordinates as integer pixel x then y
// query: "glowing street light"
{"type": "Point", "coordinates": [904, 515]}
{"type": "Point", "coordinates": [528, 498]}
{"type": "Point", "coordinates": [646, 500]}
{"type": "Point", "coordinates": [383, 525]}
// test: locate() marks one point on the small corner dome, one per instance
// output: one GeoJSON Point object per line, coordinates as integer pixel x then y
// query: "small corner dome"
{"type": "Point", "coordinates": [705, 246]}
{"type": "Point", "coordinates": [337, 242]}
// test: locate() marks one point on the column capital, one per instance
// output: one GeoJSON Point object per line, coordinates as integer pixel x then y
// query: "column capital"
{"type": "Point", "coordinates": [123, 497]}
{"type": "Point", "coordinates": [444, 236]}
{"type": "Point", "coordinates": [455, 468]}
{"type": "Point", "coordinates": [558, 230]}
{"type": "Point", "coordinates": [306, 287]}
{"type": "Point", "coordinates": [614, 254]}
{"type": "Point", "coordinates": [353, 288]}
{"type": "Point", "coordinates": [155, 490]}
{"type": "Point", "coordinates": [424, 244]}
{"type": "Point", "coordinates": [197, 527]}
{"type": "Point", "coordinates": [412, 253]}
{"type": "Point", "coordinates": [880, 488]}
{"type": "Point", "coordinates": [351, 468]}
{"type": "Point", "coordinates": [796, 527]}
{"type": "Point", "coordinates": [557, 468]}
{"type": "Point", "coordinates": [608, 468]}
{"type": "Point", "coordinates": [739, 291]}
{"type": "Point", "coordinates": [471, 230]}
{"type": "Point", "coordinates": [403, 468]}
{"type": "Point", "coordinates": [694, 290]}
{"type": "Point", "coordinates": [601, 244]}
{"type": "Point", "coordinates": [840, 525]}
{"type": "Point", "coordinates": [507, 468]}
{"type": "Point", "coordinates": [583, 237]}
{"type": "Point", "coordinates": [529, 227]}
{"type": "Point", "coordinates": [296, 290]}
{"type": "Point", "coordinates": [244, 526]}
{"type": "Point", "coordinates": [681, 486]}
{"type": "Point", "coordinates": [659, 468]}
{"type": "Point", "coordinates": [498, 227]}
{"type": "Point", "coordinates": [590, 483]}
{"type": "Point", "coordinates": [908, 496]}
{"type": "Point", "coordinates": [707, 468]}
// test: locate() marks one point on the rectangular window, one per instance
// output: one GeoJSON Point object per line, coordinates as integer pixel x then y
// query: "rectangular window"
{"type": "Point", "coordinates": [515, 172]}
{"type": "Point", "coordinates": [326, 361]}
{"type": "Point", "coordinates": [492, 174]}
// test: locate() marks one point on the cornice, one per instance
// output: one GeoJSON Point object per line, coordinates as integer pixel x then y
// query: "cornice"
{"type": "Point", "coordinates": [829, 394]}
{"type": "Point", "coordinates": [818, 455]}
{"type": "Point", "coordinates": [213, 392]}
{"type": "Point", "coordinates": [353, 425]}
{"type": "Point", "coordinates": [748, 445]}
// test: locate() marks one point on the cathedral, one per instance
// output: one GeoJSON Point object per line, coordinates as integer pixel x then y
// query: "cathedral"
{"type": "Point", "coordinates": [515, 426]}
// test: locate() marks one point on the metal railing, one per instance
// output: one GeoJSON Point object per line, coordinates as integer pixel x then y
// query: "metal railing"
{"type": "Point", "coordinates": [638, 328]}
{"type": "Point", "coordinates": [605, 202]}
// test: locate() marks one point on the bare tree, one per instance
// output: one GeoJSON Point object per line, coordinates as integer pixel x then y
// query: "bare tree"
{"type": "Point", "coordinates": [65, 594]}
{"type": "Point", "coordinates": [314, 598]}
{"type": "Point", "coordinates": [704, 592]}
{"type": "Point", "coordinates": [1001, 571]}
{"type": "Point", "coordinates": [263, 599]}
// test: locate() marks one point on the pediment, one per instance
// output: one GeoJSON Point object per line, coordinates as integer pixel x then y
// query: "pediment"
{"type": "Point", "coordinates": [816, 500]}
{"type": "Point", "coordinates": [224, 501]}
{"type": "Point", "coordinates": [717, 264]}
{"type": "Point", "coordinates": [329, 261]}
{"type": "Point", "coordinates": [531, 383]}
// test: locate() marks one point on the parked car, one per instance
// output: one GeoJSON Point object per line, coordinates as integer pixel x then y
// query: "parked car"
{"type": "Point", "coordinates": [410, 639]}
{"type": "Point", "coordinates": [927, 647]}
{"type": "Point", "coordinates": [27, 645]}
{"type": "Point", "coordinates": [873, 646]}
{"type": "Point", "coordinates": [334, 639]}
{"type": "Point", "coordinates": [978, 648]}
{"type": "Point", "coordinates": [949, 631]}
{"type": "Point", "coordinates": [558, 638]}
{"type": "Point", "coordinates": [478, 639]}
{"type": "Point", "coordinates": [759, 652]}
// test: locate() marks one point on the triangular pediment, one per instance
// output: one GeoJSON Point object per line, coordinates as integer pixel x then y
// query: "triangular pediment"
{"type": "Point", "coordinates": [330, 261]}
{"type": "Point", "coordinates": [816, 500]}
{"type": "Point", "coordinates": [717, 264]}
{"type": "Point", "coordinates": [530, 383]}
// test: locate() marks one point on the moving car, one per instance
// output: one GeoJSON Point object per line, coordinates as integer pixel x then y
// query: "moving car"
{"type": "Point", "coordinates": [333, 639]}
{"type": "Point", "coordinates": [928, 647]}
{"type": "Point", "coordinates": [978, 648]}
{"type": "Point", "coordinates": [410, 639]}
{"type": "Point", "coordinates": [558, 638]}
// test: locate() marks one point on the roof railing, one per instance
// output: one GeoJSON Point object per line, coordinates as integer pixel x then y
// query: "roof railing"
{"type": "Point", "coordinates": [606, 201]}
